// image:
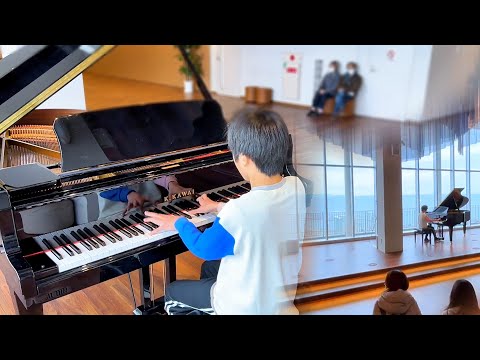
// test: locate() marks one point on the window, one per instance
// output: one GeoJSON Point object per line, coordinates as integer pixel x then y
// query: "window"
{"type": "Point", "coordinates": [364, 201]}
{"type": "Point", "coordinates": [445, 161]}
{"type": "Point", "coordinates": [426, 189]}
{"type": "Point", "coordinates": [460, 156]}
{"type": "Point", "coordinates": [336, 199]}
{"type": "Point", "coordinates": [426, 162]}
{"type": "Point", "coordinates": [475, 197]}
{"type": "Point", "coordinates": [335, 154]}
{"type": "Point", "coordinates": [409, 200]}
{"type": "Point", "coordinates": [315, 223]}
{"type": "Point", "coordinates": [446, 187]}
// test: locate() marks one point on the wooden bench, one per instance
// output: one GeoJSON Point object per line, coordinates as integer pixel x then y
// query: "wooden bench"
{"type": "Point", "coordinates": [330, 107]}
{"type": "Point", "coordinates": [251, 94]}
{"type": "Point", "coordinates": [422, 232]}
{"type": "Point", "coordinates": [264, 96]}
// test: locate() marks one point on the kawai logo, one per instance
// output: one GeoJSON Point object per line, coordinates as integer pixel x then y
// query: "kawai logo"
{"type": "Point", "coordinates": [180, 195]}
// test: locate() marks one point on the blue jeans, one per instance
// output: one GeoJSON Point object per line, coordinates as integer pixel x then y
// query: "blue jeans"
{"type": "Point", "coordinates": [340, 101]}
{"type": "Point", "coordinates": [320, 99]}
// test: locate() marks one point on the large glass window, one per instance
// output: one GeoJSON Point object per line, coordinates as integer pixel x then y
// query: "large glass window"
{"type": "Point", "coordinates": [475, 197]}
{"type": "Point", "coordinates": [364, 201]}
{"type": "Point", "coordinates": [426, 189]}
{"type": "Point", "coordinates": [446, 187]}
{"type": "Point", "coordinates": [336, 198]}
{"type": "Point", "coordinates": [409, 200]}
{"type": "Point", "coordinates": [445, 161]}
{"type": "Point", "coordinates": [460, 156]}
{"type": "Point", "coordinates": [426, 162]}
{"type": "Point", "coordinates": [335, 155]}
{"type": "Point", "coordinates": [475, 151]}
{"type": "Point", "coordinates": [315, 223]}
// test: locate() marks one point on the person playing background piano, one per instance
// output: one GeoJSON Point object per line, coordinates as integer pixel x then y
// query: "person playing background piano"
{"type": "Point", "coordinates": [425, 223]}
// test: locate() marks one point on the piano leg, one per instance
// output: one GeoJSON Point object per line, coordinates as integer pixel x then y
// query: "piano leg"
{"type": "Point", "coordinates": [145, 287]}
{"type": "Point", "coordinates": [450, 230]}
{"type": "Point", "coordinates": [464, 227]}
{"type": "Point", "coordinates": [170, 270]}
{"type": "Point", "coordinates": [20, 309]}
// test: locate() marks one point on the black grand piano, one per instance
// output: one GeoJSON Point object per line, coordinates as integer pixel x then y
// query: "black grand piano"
{"type": "Point", "coordinates": [449, 212]}
{"type": "Point", "coordinates": [53, 239]}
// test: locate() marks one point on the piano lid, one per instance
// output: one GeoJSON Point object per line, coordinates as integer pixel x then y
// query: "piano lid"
{"type": "Point", "coordinates": [455, 200]}
{"type": "Point", "coordinates": [101, 137]}
{"type": "Point", "coordinates": [32, 74]}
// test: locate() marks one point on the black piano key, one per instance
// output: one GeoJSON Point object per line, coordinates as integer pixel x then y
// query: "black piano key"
{"type": "Point", "coordinates": [72, 245]}
{"type": "Point", "coordinates": [194, 203]}
{"type": "Point", "coordinates": [120, 228]}
{"type": "Point", "coordinates": [181, 205]}
{"type": "Point", "coordinates": [63, 245]}
{"type": "Point", "coordinates": [52, 249]}
{"type": "Point", "coordinates": [104, 233]}
{"type": "Point", "coordinates": [216, 197]}
{"type": "Point", "coordinates": [247, 186]}
{"type": "Point", "coordinates": [162, 211]}
{"type": "Point", "coordinates": [81, 241]}
{"type": "Point", "coordinates": [228, 194]}
{"type": "Point", "coordinates": [130, 227]}
{"type": "Point", "coordinates": [90, 236]}
{"type": "Point", "coordinates": [126, 227]}
{"type": "Point", "coordinates": [238, 190]}
{"type": "Point", "coordinates": [110, 231]}
{"type": "Point", "coordinates": [178, 212]}
{"type": "Point", "coordinates": [142, 217]}
{"type": "Point", "coordinates": [141, 223]}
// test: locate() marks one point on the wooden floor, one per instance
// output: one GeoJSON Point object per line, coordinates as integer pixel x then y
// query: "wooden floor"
{"type": "Point", "coordinates": [323, 261]}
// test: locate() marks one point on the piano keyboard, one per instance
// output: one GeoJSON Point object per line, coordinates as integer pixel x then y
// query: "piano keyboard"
{"type": "Point", "coordinates": [84, 244]}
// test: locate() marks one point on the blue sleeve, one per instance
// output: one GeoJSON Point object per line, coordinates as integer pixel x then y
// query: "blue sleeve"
{"type": "Point", "coordinates": [213, 244]}
{"type": "Point", "coordinates": [119, 194]}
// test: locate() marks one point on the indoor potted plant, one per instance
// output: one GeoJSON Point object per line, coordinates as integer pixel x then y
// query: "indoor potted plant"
{"type": "Point", "coordinates": [194, 56]}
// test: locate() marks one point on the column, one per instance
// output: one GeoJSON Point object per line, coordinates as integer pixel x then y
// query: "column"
{"type": "Point", "coordinates": [389, 194]}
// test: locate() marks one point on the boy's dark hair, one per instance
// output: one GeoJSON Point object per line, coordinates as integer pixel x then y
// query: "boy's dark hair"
{"type": "Point", "coordinates": [463, 294]}
{"type": "Point", "coordinates": [262, 135]}
{"type": "Point", "coordinates": [424, 207]}
{"type": "Point", "coordinates": [395, 280]}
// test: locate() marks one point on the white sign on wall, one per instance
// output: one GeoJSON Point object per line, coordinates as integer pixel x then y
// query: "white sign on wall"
{"type": "Point", "coordinates": [291, 76]}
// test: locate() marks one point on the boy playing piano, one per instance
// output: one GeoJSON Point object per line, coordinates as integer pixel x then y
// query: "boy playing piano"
{"type": "Point", "coordinates": [257, 236]}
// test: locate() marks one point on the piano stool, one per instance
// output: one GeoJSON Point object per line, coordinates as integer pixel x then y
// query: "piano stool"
{"type": "Point", "coordinates": [422, 232]}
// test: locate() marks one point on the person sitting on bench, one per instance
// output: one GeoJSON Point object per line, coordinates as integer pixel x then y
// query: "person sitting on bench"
{"type": "Point", "coordinates": [327, 89]}
{"type": "Point", "coordinates": [425, 223]}
{"type": "Point", "coordinates": [350, 84]}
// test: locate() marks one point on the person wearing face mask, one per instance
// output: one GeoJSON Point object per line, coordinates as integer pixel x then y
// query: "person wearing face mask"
{"type": "Point", "coordinates": [327, 90]}
{"type": "Point", "coordinates": [348, 88]}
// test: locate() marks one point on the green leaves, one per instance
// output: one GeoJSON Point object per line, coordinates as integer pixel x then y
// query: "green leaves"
{"type": "Point", "coordinates": [194, 56]}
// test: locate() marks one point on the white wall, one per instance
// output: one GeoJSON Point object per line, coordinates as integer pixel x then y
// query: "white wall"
{"type": "Point", "coordinates": [391, 89]}
{"type": "Point", "coordinates": [453, 79]}
{"type": "Point", "coordinates": [71, 96]}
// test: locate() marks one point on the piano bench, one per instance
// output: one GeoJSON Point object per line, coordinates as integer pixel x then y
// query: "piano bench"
{"type": "Point", "coordinates": [422, 232]}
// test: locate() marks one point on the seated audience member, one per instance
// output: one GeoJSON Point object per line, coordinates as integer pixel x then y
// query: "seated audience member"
{"type": "Point", "coordinates": [463, 300]}
{"type": "Point", "coordinates": [257, 236]}
{"type": "Point", "coordinates": [327, 89]}
{"type": "Point", "coordinates": [396, 300]}
{"type": "Point", "coordinates": [425, 223]}
{"type": "Point", "coordinates": [348, 88]}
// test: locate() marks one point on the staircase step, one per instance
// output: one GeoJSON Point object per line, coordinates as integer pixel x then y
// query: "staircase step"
{"type": "Point", "coordinates": [372, 280]}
